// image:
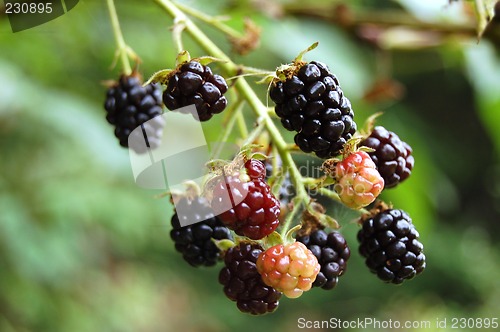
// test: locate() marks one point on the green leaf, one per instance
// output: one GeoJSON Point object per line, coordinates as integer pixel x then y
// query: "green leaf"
{"type": "Point", "coordinates": [272, 240]}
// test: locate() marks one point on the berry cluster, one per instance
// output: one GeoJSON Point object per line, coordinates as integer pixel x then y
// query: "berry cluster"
{"type": "Point", "coordinates": [195, 84]}
{"type": "Point", "coordinates": [260, 265]}
{"type": "Point", "coordinates": [130, 105]}
{"type": "Point", "coordinates": [312, 103]}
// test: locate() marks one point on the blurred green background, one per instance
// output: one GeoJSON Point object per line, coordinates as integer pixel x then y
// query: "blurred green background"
{"type": "Point", "coordinates": [82, 248]}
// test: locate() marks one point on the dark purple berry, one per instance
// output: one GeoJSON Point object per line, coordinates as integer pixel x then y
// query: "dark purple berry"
{"type": "Point", "coordinates": [312, 103]}
{"type": "Point", "coordinates": [243, 283]}
{"type": "Point", "coordinates": [130, 105]}
{"type": "Point", "coordinates": [195, 84]}
{"type": "Point", "coordinates": [389, 242]}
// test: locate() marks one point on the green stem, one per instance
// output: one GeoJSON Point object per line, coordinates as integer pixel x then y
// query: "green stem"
{"type": "Point", "coordinates": [120, 42]}
{"type": "Point", "coordinates": [289, 218]}
{"type": "Point", "coordinates": [244, 90]}
{"type": "Point", "coordinates": [254, 134]}
{"type": "Point", "coordinates": [229, 127]}
{"type": "Point", "coordinates": [242, 125]}
{"type": "Point", "coordinates": [177, 35]}
{"type": "Point", "coordinates": [213, 21]}
{"type": "Point", "coordinates": [256, 71]}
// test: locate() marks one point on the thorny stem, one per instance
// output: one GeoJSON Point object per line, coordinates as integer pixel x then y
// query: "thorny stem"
{"type": "Point", "coordinates": [122, 48]}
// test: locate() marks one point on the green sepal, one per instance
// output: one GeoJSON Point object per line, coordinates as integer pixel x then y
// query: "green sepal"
{"type": "Point", "coordinates": [246, 151]}
{"type": "Point", "coordinates": [370, 124]}
{"type": "Point", "coordinates": [182, 57]}
{"type": "Point", "coordinates": [216, 164]}
{"type": "Point", "coordinates": [366, 149]}
{"type": "Point", "coordinates": [329, 222]}
{"type": "Point", "coordinates": [268, 79]}
{"type": "Point", "coordinates": [327, 181]}
{"type": "Point", "coordinates": [272, 240]}
{"type": "Point", "coordinates": [258, 156]}
{"type": "Point", "coordinates": [301, 54]}
{"type": "Point", "coordinates": [224, 245]}
{"type": "Point", "coordinates": [205, 60]}
{"type": "Point", "coordinates": [289, 236]}
{"type": "Point", "coordinates": [160, 76]}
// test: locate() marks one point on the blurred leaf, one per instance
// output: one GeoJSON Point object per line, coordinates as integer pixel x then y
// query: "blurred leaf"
{"type": "Point", "coordinates": [484, 72]}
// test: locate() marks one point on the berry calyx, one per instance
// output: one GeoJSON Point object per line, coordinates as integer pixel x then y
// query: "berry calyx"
{"type": "Point", "coordinates": [290, 269]}
{"type": "Point", "coordinates": [194, 83]}
{"type": "Point", "coordinates": [195, 241]}
{"type": "Point", "coordinates": [392, 156]}
{"type": "Point", "coordinates": [332, 252]}
{"type": "Point", "coordinates": [358, 181]}
{"type": "Point", "coordinates": [390, 243]}
{"type": "Point", "coordinates": [253, 210]}
{"type": "Point", "coordinates": [311, 102]}
{"type": "Point", "coordinates": [243, 283]}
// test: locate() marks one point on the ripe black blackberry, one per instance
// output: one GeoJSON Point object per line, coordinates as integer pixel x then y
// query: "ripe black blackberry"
{"type": "Point", "coordinates": [130, 105]}
{"type": "Point", "coordinates": [312, 103]}
{"type": "Point", "coordinates": [391, 156]}
{"type": "Point", "coordinates": [332, 253]}
{"type": "Point", "coordinates": [243, 284]}
{"type": "Point", "coordinates": [194, 241]}
{"type": "Point", "coordinates": [194, 83]}
{"type": "Point", "coordinates": [389, 242]}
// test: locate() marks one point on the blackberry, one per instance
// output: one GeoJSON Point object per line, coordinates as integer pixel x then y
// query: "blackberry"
{"type": "Point", "coordinates": [129, 105]}
{"type": "Point", "coordinates": [389, 242]}
{"type": "Point", "coordinates": [392, 157]}
{"type": "Point", "coordinates": [194, 83]}
{"type": "Point", "coordinates": [312, 103]}
{"type": "Point", "coordinates": [332, 253]}
{"type": "Point", "coordinates": [243, 284]}
{"type": "Point", "coordinates": [194, 241]}
{"type": "Point", "coordinates": [256, 214]}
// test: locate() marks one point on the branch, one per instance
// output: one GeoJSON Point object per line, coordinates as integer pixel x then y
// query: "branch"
{"type": "Point", "coordinates": [244, 90]}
